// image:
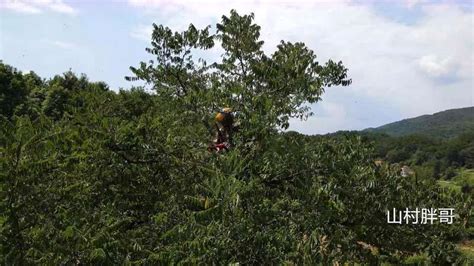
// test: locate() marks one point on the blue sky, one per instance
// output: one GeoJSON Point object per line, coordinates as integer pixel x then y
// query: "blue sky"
{"type": "Point", "coordinates": [406, 58]}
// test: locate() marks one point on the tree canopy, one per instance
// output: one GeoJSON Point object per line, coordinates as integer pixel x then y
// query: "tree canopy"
{"type": "Point", "coordinates": [93, 176]}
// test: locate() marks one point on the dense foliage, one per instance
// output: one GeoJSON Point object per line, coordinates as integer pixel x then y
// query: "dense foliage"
{"type": "Point", "coordinates": [423, 150]}
{"type": "Point", "coordinates": [91, 176]}
{"type": "Point", "coordinates": [441, 156]}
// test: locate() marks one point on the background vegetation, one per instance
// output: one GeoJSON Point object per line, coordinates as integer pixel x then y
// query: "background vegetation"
{"type": "Point", "coordinates": [93, 176]}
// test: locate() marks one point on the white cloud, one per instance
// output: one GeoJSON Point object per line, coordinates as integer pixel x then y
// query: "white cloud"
{"type": "Point", "coordinates": [37, 6]}
{"type": "Point", "coordinates": [331, 118]}
{"type": "Point", "coordinates": [142, 32]}
{"type": "Point", "coordinates": [61, 7]}
{"type": "Point", "coordinates": [413, 3]}
{"type": "Point", "coordinates": [20, 7]}
{"type": "Point", "coordinates": [389, 62]}
{"type": "Point", "coordinates": [62, 44]}
{"type": "Point", "coordinates": [436, 67]}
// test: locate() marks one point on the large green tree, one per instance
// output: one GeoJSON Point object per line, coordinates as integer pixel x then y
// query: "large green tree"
{"type": "Point", "coordinates": [93, 176]}
{"type": "Point", "coordinates": [265, 89]}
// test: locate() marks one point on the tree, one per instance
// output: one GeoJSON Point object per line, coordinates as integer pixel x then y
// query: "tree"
{"type": "Point", "coordinates": [437, 170]}
{"type": "Point", "coordinates": [56, 101]}
{"type": "Point", "coordinates": [104, 177]}
{"type": "Point", "coordinates": [320, 190]}
{"type": "Point", "coordinates": [266, 90]}
{"type": "Point", "coordinates": [13, 90]}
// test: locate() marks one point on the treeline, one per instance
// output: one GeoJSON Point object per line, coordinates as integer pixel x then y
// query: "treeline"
{"type": "Point", "coordinates": [441, 125]}
{"type": "Point", "coordinates": [30, 95]}
{"type": "Point", "coordinates": [441, 155]}
{"type": "Point", "coordinates": [93, 176]}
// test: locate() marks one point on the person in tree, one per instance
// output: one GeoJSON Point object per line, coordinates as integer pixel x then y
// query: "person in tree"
{"type": "Point", "coordinates": [224, 126]}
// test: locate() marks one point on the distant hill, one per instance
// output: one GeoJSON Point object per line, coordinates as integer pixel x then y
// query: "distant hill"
{"type": "Point", "coordinates": [445, 124]}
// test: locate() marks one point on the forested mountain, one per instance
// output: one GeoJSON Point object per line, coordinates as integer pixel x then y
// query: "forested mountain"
{"type": "Point", "coordinates": [91, 176]}
{"type": "Point", "coordinates": [445, 124]}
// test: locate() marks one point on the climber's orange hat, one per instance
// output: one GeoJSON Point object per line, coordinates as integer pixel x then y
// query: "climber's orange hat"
{"type": "Point", "coordinates": [220, 117]}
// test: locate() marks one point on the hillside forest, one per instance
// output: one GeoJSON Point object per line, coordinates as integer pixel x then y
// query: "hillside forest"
{"type": "Point", "coordinates": [96, 175]}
